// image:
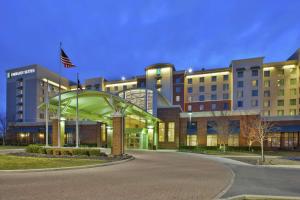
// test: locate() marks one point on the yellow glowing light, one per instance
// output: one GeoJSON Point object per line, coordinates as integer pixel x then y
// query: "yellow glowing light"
{"type": "Point", "coordinates": [22, 135]}
{"type": "Point", "coordinates": [268, 68]}
{"type": "Point", "coordinates": [209, 74]}
{"type": "Point", "coordinates": [72, 89]}
{"type": "Point", "coordinates": [121, 84]}
{"type": "Point", "coordinates": [53, 83]}
{"type": "Point", "coordinates": [288, 66]}
{"type": "Point", "coordinates": [41, 135]}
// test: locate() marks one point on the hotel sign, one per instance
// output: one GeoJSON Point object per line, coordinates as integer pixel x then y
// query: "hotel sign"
{"type": "Point", "coordinates": [19, 73]}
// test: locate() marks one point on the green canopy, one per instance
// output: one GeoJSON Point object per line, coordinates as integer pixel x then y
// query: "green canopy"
{"type": "Point", "coordinates": [95, 106]}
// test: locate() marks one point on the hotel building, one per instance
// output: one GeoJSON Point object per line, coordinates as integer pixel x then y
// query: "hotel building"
{"type": "Point", "coordinates": [185, 104]}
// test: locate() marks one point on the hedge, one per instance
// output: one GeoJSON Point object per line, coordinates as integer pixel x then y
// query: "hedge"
{"type": "Point", "coordinates": [33, 148]}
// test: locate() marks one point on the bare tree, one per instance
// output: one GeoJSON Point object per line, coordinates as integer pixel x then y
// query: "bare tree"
{"type": "Point", "coordinates": [261, 128]}
{"type": "Point", "coordinates": [3, 126]}
{"type": "Point", "coordinates": [249, 130]}
{"type": "Point", "coordinates": [221, 125]}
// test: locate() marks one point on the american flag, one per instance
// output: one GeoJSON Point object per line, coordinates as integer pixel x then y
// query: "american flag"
{"type": "Point", "coordinates": [65, 59]}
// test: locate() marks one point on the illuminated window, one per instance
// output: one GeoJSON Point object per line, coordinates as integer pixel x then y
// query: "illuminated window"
{"type": "Point", "coordinates": [213, 106]}
{"type": "Point", "coordinates": [201, 107]}
{"type": "Point", "coordinates": [267, 83]}
{"type": "Point", "coordinates": [267, 113]}
{"type": "Point", "coordinates": [267, 103]}
{"type": "Point", "coordinates": [280, 112]}
{"type": "Point", "coordinates": [191, 140]}
{"type": "Point", "coordinates": [171, 131]}
{"type": "Point", "coordinates": [233, 140]}
{"type": "Point", "coordinates": [254, 83]}
{"type": "Point", "coordinates": [161, 132]}
{"type": "Point", "coordinates": [292, 111]}
{"type": "Point", "coordinates": [177, 98]}
{"type": "Point", "coordinates": [103, 134]}
{"type": "Point", "coordinates": [212, 140]}
{"type": "Point", "coordinates": [189, 107]}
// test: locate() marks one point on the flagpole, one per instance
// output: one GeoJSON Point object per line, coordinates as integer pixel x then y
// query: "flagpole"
{"type": "Point", "coordinates": [59, 97]}
{"type": "Point", "coordinates": [77, 125]}
{"type": "Point", "coordinates": [47, 117]}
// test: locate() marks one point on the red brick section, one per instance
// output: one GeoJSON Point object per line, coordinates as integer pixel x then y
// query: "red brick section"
{"type": "Point", "coordinates": [118, 133]}
{"type": "Point", "coordinates": [181, 93]}
{"type": "Point", "coordinates": [207, 105]}
{"type": "Point", "coordinates": [170, 115]}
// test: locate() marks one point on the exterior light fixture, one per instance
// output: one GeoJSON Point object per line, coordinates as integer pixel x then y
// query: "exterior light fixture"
{"type": "Point", "coordinates": [123, 78]}
{"type": "Point", "coordinates": [190, 70]}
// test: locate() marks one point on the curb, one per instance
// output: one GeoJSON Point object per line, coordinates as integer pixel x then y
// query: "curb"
{"type": "Point", "coordinates": [262, 197]}
{"type": "Point", "coordinates": [67, 168]}
{"type": "Point", "coordinates": [218, 196]}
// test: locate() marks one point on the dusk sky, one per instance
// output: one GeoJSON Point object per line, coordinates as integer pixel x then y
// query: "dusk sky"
{"type": "Point", "coordinates": [120, 38]}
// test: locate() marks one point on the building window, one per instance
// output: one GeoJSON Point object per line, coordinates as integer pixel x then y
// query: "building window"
{"type": "Point", "coordinates": [254, 102]}
{"type": "Point", "coordinates": [293, 91]}
{"type": "Point", "coordinates": [280, 112]}
{"type": "Point", "coordinates": [240, 74]}
{"type": "Point", "coordinates": [201, 88]}
{"type": "Point", "coordinates": [225, 87]}
{"type": "Point", "coordinates": [267, 83]}
{"type": "Point", "coordinates": [233, 140]}
{"type": "Point", "coordinates": [161, 132]}
{"type": "Point", "coordinates": [267, 93]}
{"type": "Point", "coordinates": [254, 93]}
{"type": "Point", "coordinates": [280, 71]}
{"type": "Point", "coordinates": [281, 92]}
{"type": "Point", "coordinates": [292, 102]}
{"type": "Point", "coordinates": [171, 131]}
{"type": "Point", "coordinates": [190, 108]}
{"type": "Point", "coordinates": [201, 107]}
{"type": "Point", "coordinates": [214, 78]}
{"type": "Point", "coordinates": [267, 73]}
{"type": "Point", "coordinates": [201, 98]}
{"type": "Point", "coordinates": [177, 98]}
{"type": "Point", "coordinates": [201, 79]}
{"type": "Point", "coordinates": [191, 140]}
{"type": "Point", "coordinates": [225, 96]}
{"type": "Point", "coordinates": [116, 88]}
{"type": "Point", "coordinates": [240, 84]}
{"type": "Point", "coordinates": [190, 81]}
{"type": "Point", "coordinates": [226, 106]}
{"type": "Point", "coordinates": [225, 77]}
{"type": "Point", "coordinates": [254, 83]}
{"type": "Point", "coordinates": [213, 106]}
{"type": "Point", "coordinates": [280, 83]}
{"type": "Point", "coordinates": [280, 102]}
{"type": "Point", "coordinates": [267, 113]}
{"type": "Point", "coordinates": [212, 140]}
{"type": "Point", "coordinates": [178, 89]}
{"type": "Point", "coordinates": [213, 88]}
{"type": "Point", "coordinates": [240, 104]}
{"type": "Point", "coordinates": [142, 84]}
{"type": "Point", "coordinates": [213, 97]}
{"type": "Point", "coordinates": [267, 103]}
{"type": "Point", "coordinates": [255, 72]}
{"type": "Point", "coordinates": [292, 111]}
{"type": "Point", "coordinates": [108, 89]}
{"type": "Point", "coordinates": [190, 98]}
{"type": "Point", "coordinates": [190, 90]}
{"type": "Point", "coordinates": [240, 94]}
{"type": "Point", "coordinates": [293, 81]}
{"type": "Point", "coordinates": [124, 87]}
{"type": "Point", "coordinates": [42, 116]}
{"type": "Point", "coordinates": [178, 80]}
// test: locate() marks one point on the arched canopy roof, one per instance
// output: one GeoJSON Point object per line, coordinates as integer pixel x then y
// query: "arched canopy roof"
{"type": "Point", "coordinates": [95, 106]}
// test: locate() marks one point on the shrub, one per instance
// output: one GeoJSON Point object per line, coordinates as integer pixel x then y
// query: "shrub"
{"type": "Point", "coordinates": [33, 148]}
{"type": "Point", "coordinates": [67, 152]}
{"type": "Point", "coordinates": [42, 151]}
{"type": "Point", "coordinates": [81, 152]}
{"type": "Point", "coordinates": [94, 152]}
{"type": "Point", "coordinates": [56, 152]}
{"type": "Point", "coordinates": [49, 151]}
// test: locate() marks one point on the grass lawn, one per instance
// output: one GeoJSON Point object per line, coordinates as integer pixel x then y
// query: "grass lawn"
{"type": "Point", "coordinates": [12, 147]}
{"type": "Point", "coordinates": [10, 162]}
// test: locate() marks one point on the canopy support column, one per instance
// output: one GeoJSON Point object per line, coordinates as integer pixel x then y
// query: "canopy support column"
{"type": "Point", "coordinates": [118, 134]}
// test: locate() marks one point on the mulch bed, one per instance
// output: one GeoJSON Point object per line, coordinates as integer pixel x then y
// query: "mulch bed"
{"type": "Point", "coordinates": [101, 157]}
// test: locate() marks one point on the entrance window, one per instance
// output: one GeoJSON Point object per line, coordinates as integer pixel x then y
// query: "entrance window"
{"type": "Point", "coordinates": [274, 140]}
{"type": "Point", "coordinates": [171, 131]}
{"type": "Point", "coordinates": [233, 140]}
{"type": "Point", "coordinates": [212, 140]}
{"type": "Point", "coordinates": [161, 132]}
{"type": "Point", "coordinates": [103, 134]}
{"type": "Point", "coordinates": [191, 140]}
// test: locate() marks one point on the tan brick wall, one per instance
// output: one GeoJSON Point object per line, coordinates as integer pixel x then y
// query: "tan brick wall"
{"type": "Point", "coordinates": [118, 133]}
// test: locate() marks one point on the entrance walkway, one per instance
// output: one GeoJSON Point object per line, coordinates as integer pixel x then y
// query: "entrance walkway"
{"type": "Point", "coordinates": [152, 175]}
